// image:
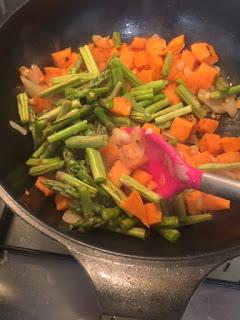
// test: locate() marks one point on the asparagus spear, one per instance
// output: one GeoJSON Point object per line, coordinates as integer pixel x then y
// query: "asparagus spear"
{"type": "Point", "coordinates": [117, 194]}
{"type": "Point", "coordinates": [157, 106]}
{"type": "Point", "coordinates": [44, 168]}
{"type": "Point", "coordinates": [89, 60]}
{"type": "Point", "coordinates": [225, 93]}
{"type": "Point", "coordinates": [51, 150]}
{"type": "Point", "coordinates": [73, 82]}
{"type": "Point", "coordinates": [37, 162]}
{"type": "Point", "coordinates": [128, 74]}
{"type": "Point", "coordinates": [192, 100]}
{"type": "Point", "coordinates": [64, 109]}
{"type": "Point", "coordinates": [103, 118]}
{"type": "Point", "coordinates": [82, 142]}
{"type": "Point", "coordinates": [219, 166]}
{"type": "Point", "coordinates": [116, 39]}
{"type": "Point", "coordinates": [85, 76]}
{"type": "Point", "coordinates": [180, 207]}
{"type": "Point", "coordinates": [157, 85]}
{"type": "Point", "coordinates": [189, 220]}
{"type": "Point", "coordinates": [167, 222]}
{"type": "Point", "coordinates": [128, 223]}
{"type": "Point", "coordinates": [40, 150]}
{"type": "Point", "coordinates": [167, 110]}
{"type": "Point", "coordinates": [121, 121]}
{"type": "Point", "coordinates": [137, 233]}
{"type": "Point", "coordinates": [116, 90]}
{"type": "Point", "coordinates": [167, 64]}
{"type": "Point", "coordinates": [172, 115]}
{"type": "Point", "coordinates": [172, 235]}
{"type": "Point", "coordinates": [50, 115]}
{"type": "Point", "coordinates": [86, 202]}
{"type": "Point", "coordinates": [110, 213]}
{"type": "Point", "coordinates": [68, 132]}
{"type": "Point", "coordinates": [156, 98]}
{"type": "Point", "coordinates": [37, 132]}
{"type": "Point", "coordinates": [96, 165]}
{"type": "Point", "coordinates": [61, 188]}
{"type": "Point", "coordinates": [145, 192]}
{"type": "Point", "coordinates": [117, 76]}
{"type": "Point", "coordinates": [75, 69]}
{"type": "Point", "coordinates": [23, 109]}
{"type": "Point", "coordinates": [74, 182]}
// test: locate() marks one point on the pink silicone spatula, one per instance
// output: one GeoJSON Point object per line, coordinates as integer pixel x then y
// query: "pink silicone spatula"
{"type": "Point", "coordinates": [173, 175]}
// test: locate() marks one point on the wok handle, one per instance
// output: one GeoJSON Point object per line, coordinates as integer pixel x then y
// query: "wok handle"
{"type": "Point", "coordinates": [143, 289]}
{"type": "Point", "coordinates": [220, 186]}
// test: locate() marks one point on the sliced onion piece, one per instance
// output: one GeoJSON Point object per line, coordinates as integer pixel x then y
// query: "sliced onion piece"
{"type": "Point", "coordinates": [18, 128]}
{"type": "Point", "coordinates": [215, 106]}
{"type": "Point", "coordinates": [32, 89]}
{"type": "Point", "coordinates": [70, 217]}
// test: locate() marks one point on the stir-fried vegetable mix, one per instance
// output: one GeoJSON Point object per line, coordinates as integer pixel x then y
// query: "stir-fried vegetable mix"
{"type": "Point", "coordinates": [78, 109]}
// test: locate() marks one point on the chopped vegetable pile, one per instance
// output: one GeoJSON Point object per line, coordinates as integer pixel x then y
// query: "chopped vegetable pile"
{"type": "Point", "coordinates": [78, 109]}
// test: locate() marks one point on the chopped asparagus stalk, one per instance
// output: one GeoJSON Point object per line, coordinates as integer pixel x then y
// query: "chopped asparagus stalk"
{"type": "Point", "coordinates": [103, 118]}
{"type": "Point", "coordinates": [74, 182]}
{"type": "Point", "coordinates": [225, 93]}
{"type": "Point", "coordinates": [157, 85]}
{"type": "Point", "coordinates": [61, 188]}
{"type": "Point", "coordinates": [219, 166]}
{"type": "Point", "coordinates": [64, 109]}
{"type": "Point", "coordinates": [23, 109]}
{"type": "Point", "coordinates": [121, 121]}
{"type": "Point", "coordinates": [75, 69]}
{"type": "Point", "coordinates": [44, 168]}
{"type": "Point", "coordinates": [117, 76]}
{"type": "Point", "coordinates": [192, 100]}
{"type": "Point", "coordinates": [86, 202]}
{"type": "Point", "coordinates": [51, 150]}
{"type": "Point", "coordinates": [116, 90]}
{"type": "Point", "coordinates": [167, 64]}
{"type": "Point", "coordinates": [172, 235]}
{"type": "Point", "coordinates": [110, 213]}
{"type": "Point", "coordinates": [96, 165]}
{"type": "Point", "coordinates": [40, 150]}
{"type": "Point", "coordinates": [84, 77]}
{"type": "Point", "coordinates": [68, 132]}
{"type": "Point", "coordinates": [180, 207]}
{"type": "Point", "coordinates": [128, 223]}
{"type": "Point", "coordinates": [53, 90]}
{"type": "Point", "coordinates": [167, 110]}
{"type": "Point", "coordinates": [115, 193]}
{"type": "Point", "coordinates": [50, 115]}
{"type": "Point", "coordinates": [145, 192]}
{"type": "Point", "coordinates": [116, 39]}
{"type": "Point", "coordinates": [89, 60]}
{"type": "Point", "coordinates": [168, 222]}
{"type": "Point", "coordinates": [172, 115]}
{"type": "Point", "coordinates": [83, 142]}
{"type": "Point", "coordinates": [189, 220]}
{"type": "Point", "coordinates": [157, 106]}
{"type": "Point", "coordinates": [37, 162]}
{"type": "Point", "coordinates": [137, 233]}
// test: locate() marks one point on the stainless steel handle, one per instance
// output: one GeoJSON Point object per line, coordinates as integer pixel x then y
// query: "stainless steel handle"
{"type": "Point", "coordinates": [221, 186]}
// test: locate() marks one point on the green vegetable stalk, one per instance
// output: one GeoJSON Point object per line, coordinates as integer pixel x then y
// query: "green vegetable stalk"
{"type": "Point", "coordinates": [89, 60]}
{"type": "Point", "coordinates": [23, 109]}
{"type": "Point", "coordinates": [96, 165]}
{"type": "Point", "coordinates": [83, 142]}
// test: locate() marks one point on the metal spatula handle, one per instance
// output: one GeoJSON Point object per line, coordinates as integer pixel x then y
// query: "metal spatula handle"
{"type": "Point", "coordinates": [221, 186]}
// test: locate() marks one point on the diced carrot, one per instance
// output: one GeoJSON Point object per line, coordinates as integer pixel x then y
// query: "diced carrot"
{"type": "Point", "coordinates": [229, 157]}
{"type": "Point", "coordinates": [191, 79]}
{"type": "Point", "coordinates": [138, 43]}
{"type": "Point", "coordinates": [41, 104]}
{"type": "Point", "coordinates": [153, 213]}
{"type": "Point", "coordinates": [140, 59]}
{"type": "Point", "coordinates": [211, 202]}
{"type": "Point", "coordinates": [127, 56]}
{"type": "Point", "coordinates": [188, 59]}
{"type": "Point", "coordinates": [203, 158]}
{"type": "Point", "coordinates": [153, 127]}
{"type": "Point", "coordinates": [171, 94]}
{"type": "Point", "coordinates": [204, 52]}
{"type": "Point", "coordinates": [230, 144]}
{"type": "Point", "coordinates": [207, 75]}
{"type": "Point", "coordinates": [110, 154]}
{"type": "Point", "coordinates": [152, 185]}
{"type": "Point", "coordinates": [213, 55]}
{"type": "Point", "coordinates": [102, 42]}
{"type": "Point", "coordinates": [182, 147]}
{"type": "Point", "coordinates": [74, 58]}
{"type": "Point", "coordinates": [132, 156]}
{"type": "Point", "coordinates": [62, 59]}
{"type": "Point", "coordinates": [117, 170]}
{"type": "Point", "coordinates": [39, 185]}
{"type": "Point", "coordinates": [208, 125]}
{"type": "Point", "coordinates": [211, 142]}
{"type": "Point", "coordinates": [145, 76]}
{"type": "Point", "coordinates": [51, 72]}
{"type": "Point", "coordinates": [100, 55]}
{"type": "Point", "coordinates": [177, 44]}
{"type": "Point", "coordinates": [200, 51]}
{"type": "Point", "coordinates": [181, 129]}
{"type": "Point", "coordinates": [188, 159]}
{"type": "Point", "coordinates": [156, 45]}
{"type": "Point", "coordinates": [62, 202]}
{"type": "Point", "coordinates": [155, 61]}
{"type": "Point", "coordinates": [134, 205]}
{"type": "Point", "coordinates": [121, 106]}
{"type": "Point", "coordinates": [142, 176]}
{"type": "Point", "coordinates": [194, 201]}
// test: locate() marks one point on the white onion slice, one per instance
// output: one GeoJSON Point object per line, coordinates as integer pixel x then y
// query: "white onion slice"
{"type": "Point", "coordinates": [70, 217]}
{"type": "Point", "coordinates": [18, 128]}
{"type": "Point", "coordinates": [32, 89]}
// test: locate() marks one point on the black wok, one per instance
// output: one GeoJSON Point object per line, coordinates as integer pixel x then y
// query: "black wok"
{"type": "Point", "coordinates": [149, 279]}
